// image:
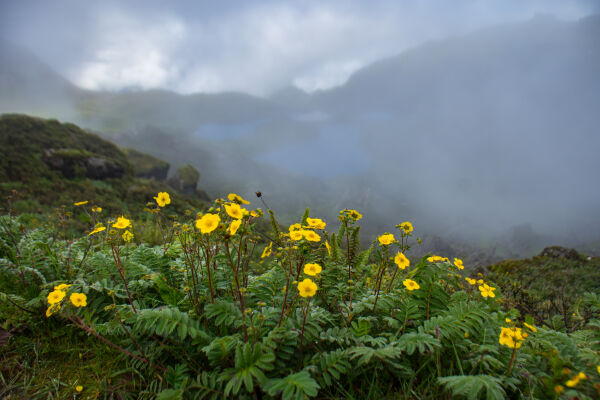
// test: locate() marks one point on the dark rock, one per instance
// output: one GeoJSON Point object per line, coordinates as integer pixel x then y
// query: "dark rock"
{"type": "Point", "coordinates": [185, 179]}
{"type": "Point", "coordinates": [561, 252]}
{"type": "Point", "coordinates": [101, 168]}
{"type": "Point", "coordinates": [74, 163]}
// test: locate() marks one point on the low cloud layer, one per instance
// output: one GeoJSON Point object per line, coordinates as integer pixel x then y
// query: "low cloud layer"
{"type": "Point", "coordinates": [255, 47]}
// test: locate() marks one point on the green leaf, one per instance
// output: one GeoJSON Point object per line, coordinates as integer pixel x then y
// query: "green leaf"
{"type": "Point", "coordinates": [471, 385]}
{"type": "Point", "coordinates": [250, 362]}
{"type": "Point", "coordinates": [293, 387]}
{"type": "Point", "coordinates": [170, 394]}
{"type": "Point", "coordinates": [422, 342]}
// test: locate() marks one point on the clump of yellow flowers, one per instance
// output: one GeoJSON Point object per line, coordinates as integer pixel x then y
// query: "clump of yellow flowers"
{"type": "Point", "coordinates": [512, 337]}
{"type": "Point", "coordinates": [56, 297]}
{"type": "Point", "coordinates": [574, 381]}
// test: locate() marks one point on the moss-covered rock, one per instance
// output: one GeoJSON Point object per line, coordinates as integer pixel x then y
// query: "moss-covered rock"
{"type": "Point", "coordinates": [561, 252]}
{"type": "Point", "coordinates": [77, 163]}
{"type": "Point", "coordinates": [185, 179]}
{"type": "Point", "coordinates": [147, 166]}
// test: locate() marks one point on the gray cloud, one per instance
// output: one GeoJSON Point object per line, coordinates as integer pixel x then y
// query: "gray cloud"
{"type": "Point", "coordinates": [255, 47]}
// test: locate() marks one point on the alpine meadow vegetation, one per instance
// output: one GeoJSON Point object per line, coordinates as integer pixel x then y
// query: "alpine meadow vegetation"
{"type": "Point", "coordinates": [218, 307]}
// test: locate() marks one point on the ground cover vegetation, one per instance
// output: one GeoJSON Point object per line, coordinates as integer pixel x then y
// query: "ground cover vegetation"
{"type": "Point", "coordinates": [215, 308]}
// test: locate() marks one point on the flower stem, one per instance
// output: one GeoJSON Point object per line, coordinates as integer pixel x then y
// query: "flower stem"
{"type": "Point", "coordinates": [121, 269]}
{"type": "Point", "coordinates": [302, 333]}
{"type": "Point", "coordinates": [512, 361]}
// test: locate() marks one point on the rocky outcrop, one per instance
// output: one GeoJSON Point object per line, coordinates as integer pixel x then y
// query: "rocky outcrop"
{"type": "Point", "coordinates": [147, 166]}
{"type": "Point", "coordinates": [185, 179]}
{"type": "Point", "coordinates": [75, 163]}
{"type": "Point", "coordinates": [561, 252]}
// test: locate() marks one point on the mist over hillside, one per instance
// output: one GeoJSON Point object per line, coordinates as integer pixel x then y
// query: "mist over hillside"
{"type": "Point", "coordinates": [487, 137]}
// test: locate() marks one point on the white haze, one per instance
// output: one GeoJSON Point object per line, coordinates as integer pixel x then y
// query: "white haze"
{"type": "Point", "coordinates": [487, 135]}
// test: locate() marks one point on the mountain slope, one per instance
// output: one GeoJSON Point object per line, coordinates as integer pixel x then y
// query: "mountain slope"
{"type": "Point", "coordinates": [45, 164]}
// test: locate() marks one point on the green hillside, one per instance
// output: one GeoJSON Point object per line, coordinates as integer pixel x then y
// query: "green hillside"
{"type": "Point", "coordinates": [45, 164]}
{"type": "Point", "coordinates": [550, 287]}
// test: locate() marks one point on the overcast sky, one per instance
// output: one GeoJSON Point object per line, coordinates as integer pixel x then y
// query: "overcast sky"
{"type": "Point", "coordinates": [252, 46]}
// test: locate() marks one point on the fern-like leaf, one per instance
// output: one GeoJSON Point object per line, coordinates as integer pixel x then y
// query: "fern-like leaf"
{"type": "Point", "coordinates": [413, 341]}
{"type": "Point", "coordinates": [470, 386]}
{"type": "Point", "coordinates": [331, 366]}
{"type": "Point", "coordinates": [296, 386]}
{"type": "Point", "coordinates": [225, 313]}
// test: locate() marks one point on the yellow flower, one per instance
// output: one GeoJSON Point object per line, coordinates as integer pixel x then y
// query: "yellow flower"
{"type": "Point", "coordinates": [466, 334]}
{"type": "Point", "coordinates": [598, 369]}
{"type": "Point", "coordinates": [559, 389]}
{"type": "Point", "coordinates": [208, 223]}
{"type": "Point", "coordinates": [78, 299]}
{"type": "Point", "coordinates": [459, 263]}
{"type": "Point", "coordinates": [315, 223]}
{"type": "Point", "coordinates": [434, 258]}
{"type": "Point", "coordinates": [122, 223]}
{"type": "Point", "coordinates": [52, 309]}
{"type": "Point", "coordinates": [267, 251]}
{"type": "Point", "coordinates": [312, 269]}
{"type": "Point", "coordinates": [507, 320]}
{"type": "Point", "coordinates": [480, 281]}
{"type": "Point", "coordinates": [328, 247]}
{"type": "Point", "coordinates": [386, 239]}
{"type": "Point", "coordinates": [471, 281]}
{"type": "Point", "coordinates": [401, 260]}
{"type": "Point", "coordinates": [411, 285]}
{"type": "Point", "coordinates": [62, 286]}
{"type": "Point", "coordinates": [355, 215]}
{"type": "Point", "coordinates": [80, 203]}
{"type": "Point", "coordinates": [307, 288]}
{"type": "Point", "coordinates": [296, 235]}
{"type": "Point", "coordinates": [96, 209]}
{"type": "Point", "coordinates": [79, 388]}
{"type": "Point", "coordinates": [487, 291]}
{"type": "Point", "coordinates": [253, 214]}
{"type": "Point", "coordinates": [508, 337]}
{"type": "Point", "coordinates": [238, 199]}
{"type": "Point", "coordinates": [98, 228]}
{"type": "Point", "coordinates": [574, 381]}
{"type": "Point", "coordinates": [511, 337]}
{"type": "Point", "coordinates": [233, 227]}
{"type": "Point", "coordinates": [127, 236]}
{"type": "Point", "coordinates": [162, 199]}
{"type": "Point", "coordinates": [295, 227]}
{"type": "Point", "coordinates": [406, 227]}
{"type": "Point", "coordinates": [234, 210]}
{"type": "Point", "coordinates": [531, 327]}
{"type": "Point", "coordinates": [311, 236]}
{"type": "Point", "coordinates": [55, 296]}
